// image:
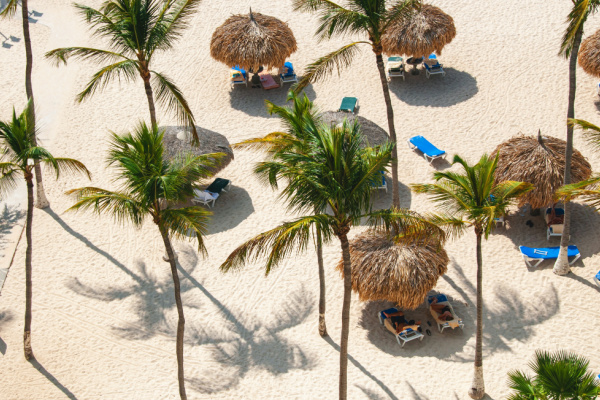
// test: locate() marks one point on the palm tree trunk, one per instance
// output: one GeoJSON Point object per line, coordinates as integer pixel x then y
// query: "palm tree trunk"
{"type": "Point", "coordinates": [561, 266]}
{"type": "Point", "coordinates": [322, 326]}
{"type": "Point", "coordinates": [392, 130]}
{"type": "Point", "coordinates": [150, 96]}
{"type": "Point", "coordinates": [477, 390]}
{"type": "Point", "coordinates": [28, 290]}
{"type": "Point", "coordinates": [41, 201]}
{"type": "Point", "coordinates": [345, 316]}
{"type": "Point", "coordinates": [181, 320]}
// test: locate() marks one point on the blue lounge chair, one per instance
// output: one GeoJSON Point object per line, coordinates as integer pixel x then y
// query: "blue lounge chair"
{"type": "Point", "coordinates": [430, 152]}
{"type": "Point", "coordinates": [382, 185]}
{"type": "Point", "coordinates": [597, 280]}
{"type": "Point", "coordinates": [219, 185]}
{"type": "Point", "coordinates": [395, 67]}
{"type": "Point", "coordinates": [537, 255]}
{"type": "Point", "coordinates": [287, 73]}
{"type": "Point", "coordinates": [349, 104]}
{"type": "Point", "coordinates": [238, 76]}
{"type": "Point", "coordinates": [406, 335]}
{"type": "Point", "coordinates": [435, 69]}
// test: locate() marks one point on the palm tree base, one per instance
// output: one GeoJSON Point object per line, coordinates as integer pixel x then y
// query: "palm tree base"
{"type": "Point", "coordinates": [41, 201]}
{"type": "Point", "coordinates": [477, 390]}
{"type": "Point", "coordinates": [561, 265]}
{"type": "Point", "coordinates": [322, 326]}
{"type": "Point", "coordinates": [27, 346]}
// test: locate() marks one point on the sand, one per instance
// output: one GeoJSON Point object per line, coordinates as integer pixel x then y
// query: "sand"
{"type": "Point", "coordinates": [103, 314]}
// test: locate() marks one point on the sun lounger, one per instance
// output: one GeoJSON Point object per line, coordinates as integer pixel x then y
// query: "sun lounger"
{"type": "Point", "coordinates": [205, 197]}
{"type": "Point", "coordinates": [554, 222]}
{"type": "Point", "coordinates": [430, 152]}
{"type": "Point", "coordinates": [349, 104]}
{"type": "Point", "coordinates": [218, 185]}
{"type": "Point", "coordinates": [395, 67]}
{"type": "Point", "coordinates": [455, 322]}
{"type": "Point", "coordinates": [597, 279]}
{"type": "Point", "coordinates": [408, 334]}
{"type": "Point", "coordinates": [287, 74]}
{"type": "Point", "coordinates": [546, 253]}
{"type": "Point", "coordinates": [238, 76]}
{"type": "Point", "coordinates": [267, 82]}
{"type": "Point", "coordinates": [380, 185]}
{"type": "Point", "coordinates": [434, 69]}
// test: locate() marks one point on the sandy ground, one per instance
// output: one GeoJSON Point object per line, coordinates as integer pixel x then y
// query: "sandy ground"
{"type": "Point", "coordinates": [104, 317]}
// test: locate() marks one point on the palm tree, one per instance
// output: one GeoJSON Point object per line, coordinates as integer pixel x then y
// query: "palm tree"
{"type": "Point", "coordinates": [11, 8]}
{"type": "Point", "coordinates": [296, 118]}
{"type": "Point", "coordinates": [473, 199]}
{"type": "Point", "coordinates": [335, 173]}
{"type": "Point", "coordinates": [152, 186]}
{"type": "Point", "coordinates": [371, 18]}
{"type": "Point", "coordinates": [18, 155]}
{"type": "Point", "coordinates": [137, 29]}
{"type": "Point", "coordinates": [559, 376]}
{"type": "Point", "coordinates": [569, 48]}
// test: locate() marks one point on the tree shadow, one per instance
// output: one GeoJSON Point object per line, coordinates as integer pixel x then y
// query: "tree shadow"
{"type": "Point", "coordinates": [362, 369]}
{"type": "Point", "coordinates": [456, 87]}
{"type": "Point", "coordinates": [252, 101]}
{"type": "Point", "coordinates": [9, 217]}
{"type": "Point", "coordinates": [5, 316]}
{"type": "Point", "coordinates": [52, 379]}
{"type": "Point", "coordinates": [230, 209]}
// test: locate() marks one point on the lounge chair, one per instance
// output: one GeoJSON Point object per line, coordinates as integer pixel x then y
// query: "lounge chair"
{"type": "Point", "coordinates": [434, 69]}
{"type": "Point", "coordinates": [238, 76]}
{"type": "Point", "coordinates": [219, 185]}
{"type": "Point", "coordinates": [500, 221]}
{"type": "Point", "coordinates": [287, 74]}
{"type": "Point", "coordinates": [538, 255]}
{"type": "Point", "coordinates": [205, 197]}
{"type": "Point", "coordinates": [395, 67]}
{"type": "Point", "coordinates": [455, 322]}
{"type": "Point", "coordinates": [409, 333]}
{"type": "Point", "coordinates": [267, 82]}
{"type": "Point", "coordinates": [430, 152]}
{"type": "Point", "coordinates": [382, 185]}
{"type": "Point", "coordinates": [554, 221]}
{"type": "Point", "coordinates": [349, 104]}
{"type": "Point", "coordinates": [597, 279]}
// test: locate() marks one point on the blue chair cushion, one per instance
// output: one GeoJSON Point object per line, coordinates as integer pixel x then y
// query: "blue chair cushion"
{"type": "Point", "coordinates": [547, 253]}
{"type": "Point", "coordinates": [348, 104]}
{"type": "Point", "coordinates": [440, 297]}
{"type": "Point", "coordinates": [598, 275]}
{"type": "Point", "coordinates": [388, 311]}
{"type": "Point", "coordinates": [425, 146]}
{"type": "Point", "coordinates": [237, 68]}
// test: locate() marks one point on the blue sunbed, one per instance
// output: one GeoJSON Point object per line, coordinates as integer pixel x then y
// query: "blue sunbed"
{"type": "Point", "coordinates": [434, 69]}
{"type": "Point", "coordinates": [597, 280]}
{"type": "Point", "coordinates": [289, 75]}
{"type": "Point", "coordinates": [546, 253]}
{"type": "Point", "coordinates": [406, 335]}
{"type": "Point", "coordinates": [430, 152]}
{"type": "Point", "coordinates": [349, 104]}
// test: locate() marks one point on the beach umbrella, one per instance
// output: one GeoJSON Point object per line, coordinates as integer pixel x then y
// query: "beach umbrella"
{"type": "Point", "coordinates": [427, 30]}
{"type": "Point", "coordinates": [252, 40]}
{"type": "Point", "coordinates": [374, 134]}
{"type": "Point", "coordinates": [177, 141]}
{"type": "Point", "coordinates": [589, 54]}
{"type": "Point", "coordinates": [384, 270]}
{"type": "Point", "coordinates": [541, 162]}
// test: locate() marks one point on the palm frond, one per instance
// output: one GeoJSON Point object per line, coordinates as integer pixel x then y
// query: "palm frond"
{"type": "Point", "coordinates": [68, 165]}
{"type": "Point", "coordinates": [523, 386]}
{"type": "Point", "coordinates": [402, 9]}
{"type": "Point", "coordinates": [577, 17]}
{"type": "Point", "coordinates": [170, 24]}
{"type": "Point", "coordinates": [278, 243]}
{"type": "Point", "coordinates": [272, 142]}
{"type": "Point", "coordinates": [9, 173]}
{"type": "Point", "coordinates": [316, 5]}
{"type": "Point", "coordinates": [591, 132]}
{"type": "Point", "coordinates": [410, 227]}
{"type": "Point", "coordinates": [10, 9]}
{"type": "Point", "coordinates": [181, 222]}
{"type": "Point", "coordinates": [587, 189]}
{"type": "Point", "coordinates": [121, 206]}
{"type": "Point", "coordinates": [325, 65]}
{"type": "Point", "coordinates": [169, 95]}
{"type": "Point", "coordinates": [126, 69]}
{"type": "Point", "coordinates": [62, 55]}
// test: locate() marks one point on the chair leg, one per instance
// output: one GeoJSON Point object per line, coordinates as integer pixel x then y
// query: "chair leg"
{"type": "Point", "coordinates": [575, 259]}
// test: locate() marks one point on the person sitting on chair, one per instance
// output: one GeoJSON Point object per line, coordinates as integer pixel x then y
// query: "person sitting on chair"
{"type": "Point", "coordinates": [399, 322]}
{"type": "Point", "coordinates": [444, 311]}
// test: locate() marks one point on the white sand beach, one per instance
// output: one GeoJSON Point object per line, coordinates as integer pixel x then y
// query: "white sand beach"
{"type": "Point", "coordinates": [104, 316]}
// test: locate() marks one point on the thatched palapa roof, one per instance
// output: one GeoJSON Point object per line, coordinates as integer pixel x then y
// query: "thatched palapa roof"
{"type": "Point", "coordinates": [383, 270]}
{"type": "Point", "coordinates": [589, 54]}
{"type": "Point", "coordinates": [425, 31]}
{"type": "Point", "coordinates": [541, 162]}
{"type": "Point", "coordinates": [252, 40]}
{"type": "Point", "coordinates": [374, 134]}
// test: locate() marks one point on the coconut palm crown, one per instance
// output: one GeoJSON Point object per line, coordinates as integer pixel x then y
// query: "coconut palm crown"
{"type": "Point", "coordinates": [19, 153]}
{"type": "Point", "coordinates": [136, 30]}
{"type": "Point", "coordinates": [152, 187]}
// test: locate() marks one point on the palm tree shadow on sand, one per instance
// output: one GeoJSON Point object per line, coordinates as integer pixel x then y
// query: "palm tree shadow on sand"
{"type": "Point", "coordinates": [456, 87]}
{"type": "Point", "coordinates": [506, 318]}
{"type": "Point", "coordinates": [9, 217]}
{"type": "Point", "coordinates": [243, 342]}
{"type": "Point", "coordinates": [252, 101]}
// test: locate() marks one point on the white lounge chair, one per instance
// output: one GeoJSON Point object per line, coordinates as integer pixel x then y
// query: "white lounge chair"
{"type": "Point", "coordinates": [456, 322]}
{"type": "Point", "coordinates": [435, 69]}
{"type": "Point", "coordinates": [395, 67]}
{"type": "Point", "coordinates": [538, 255]}
{"type": "Point", "coordinates": [408, 334]}
{"type": "Point", "coordinates": [238, 76]}
{"type": "Point", "coordinates": [287, 74]}
{"type": "Point", "coordinates": [205, 198]}
{"type": "Point", "coordinates": [554, 229]}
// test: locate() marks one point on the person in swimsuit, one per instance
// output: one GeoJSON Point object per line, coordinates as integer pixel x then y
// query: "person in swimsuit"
{"type": "Point", "coordinates": [444, 312]}
{"type": "Point", "coordinates": [399, 322]}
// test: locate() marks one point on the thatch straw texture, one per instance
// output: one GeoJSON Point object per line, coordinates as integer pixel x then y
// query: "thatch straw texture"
{"type": "Point", "coordinates": [253, 40]}
{"type": "Point", "coordinates": [589, 54]}
{"type": "Point", "coordinates": [425, 31]}
{"type": "Point", "coordinates": [373, 134]}
{"type": "Point", "coordinates": [176, 142]}
{"type": "Point", "coordinates": [382, 270]}
{"type": "Point", "coordinates": [540, 161]}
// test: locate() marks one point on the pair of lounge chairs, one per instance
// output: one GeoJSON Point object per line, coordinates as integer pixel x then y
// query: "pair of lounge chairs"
{"type": "Point", "coordinates": [239, 76]}
{"type": "Point", "coordinates": [429, 151]}
{"type": "Point", "coordinates": [395, 67]}
{"type": "Point", "coordinates": [534, 256]}
{"type": "Point", "coordinates": [210, 195]}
